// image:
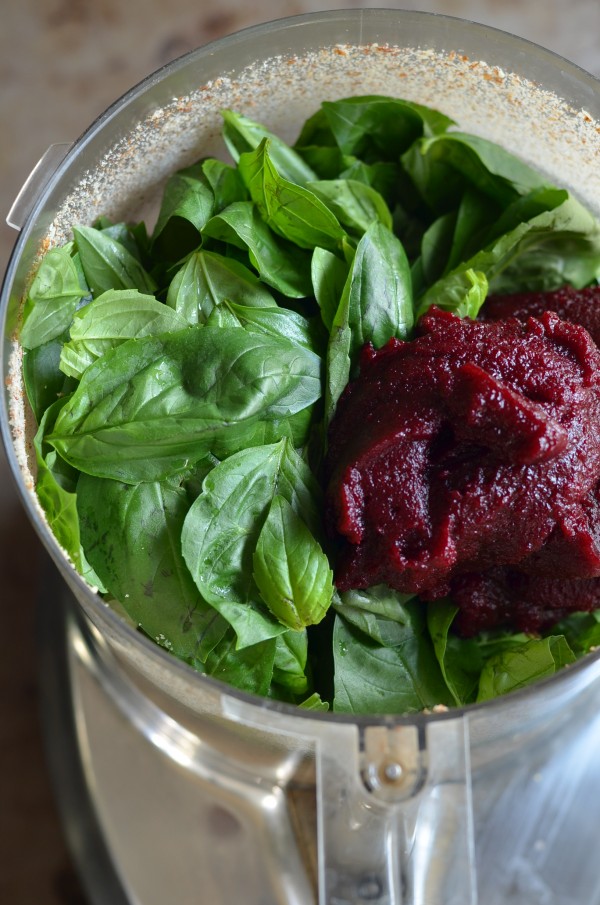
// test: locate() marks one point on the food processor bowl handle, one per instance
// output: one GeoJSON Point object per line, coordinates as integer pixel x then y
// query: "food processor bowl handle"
{"type": "Point", "coordinates": [395, 824]}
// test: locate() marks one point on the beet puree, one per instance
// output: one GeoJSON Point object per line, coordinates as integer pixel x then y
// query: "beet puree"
{"type": "Point", "coordinates": [475, 469]}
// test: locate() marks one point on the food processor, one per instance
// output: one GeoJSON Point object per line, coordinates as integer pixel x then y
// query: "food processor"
{"type": "Point", "coordinates": [176, 788]}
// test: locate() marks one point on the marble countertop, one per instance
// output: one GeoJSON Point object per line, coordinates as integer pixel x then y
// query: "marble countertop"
{"type": "Point", "coordinates": [61, 63]}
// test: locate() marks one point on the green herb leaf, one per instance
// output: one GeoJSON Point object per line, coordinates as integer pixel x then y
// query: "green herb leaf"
{"type": "Point", "coordinates": [187, 204]}
{"type": "Point", "coordinates": [279, 263]}
{"type": "Point", "coordinates": [295, 213]}
{"type": "Point", "coordinates": [153, 406]}
{"type": "Point", "coordinates": [53, 299]}
{"type": "Point", "coordinates": [290, 568]}
{"type": "Point", "coordinates": [511, 670]}
{"type": "Point", "coordinates": [112, 319]}
{"type": "Point", "coordinates": [109, 265]}
{"type": "Point", "coordinates": [354, 204]}
{"type": "Point", "coordinates": [132, 535]}
{"type": "Point", "coordinates": [460, 659]}
{"type": "Point", "coordinates": [376, 305]}
{"type": "Point", "coordinates": [371, 678]}
{"type": "Point", "coordinates": [224, 524]}
{"type": "Point", "coordinates": [207, 279]}
{"type": "Point", "coordinates": [243, 135]}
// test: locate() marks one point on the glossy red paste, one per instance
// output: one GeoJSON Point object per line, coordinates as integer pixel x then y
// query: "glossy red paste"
{"type": "Point", "coordinates": [466, 462]}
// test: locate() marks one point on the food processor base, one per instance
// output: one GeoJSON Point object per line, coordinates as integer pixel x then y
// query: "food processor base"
{"type": "Point", "coordinates": [144, 831]}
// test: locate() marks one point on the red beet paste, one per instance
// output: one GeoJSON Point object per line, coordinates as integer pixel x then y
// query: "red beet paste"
{"type": "Point", "coordinates": [466, 462]}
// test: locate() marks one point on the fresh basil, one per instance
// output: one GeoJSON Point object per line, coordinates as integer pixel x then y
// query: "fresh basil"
{"type": "Point", "coordinates": [183, 385]}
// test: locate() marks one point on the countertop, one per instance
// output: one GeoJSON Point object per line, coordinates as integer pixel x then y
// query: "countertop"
{"type": "Point", "coordinates": [61, 63]}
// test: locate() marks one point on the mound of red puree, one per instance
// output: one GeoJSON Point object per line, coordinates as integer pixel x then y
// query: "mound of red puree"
{"type": "Point", "coordinates": [467, 463]}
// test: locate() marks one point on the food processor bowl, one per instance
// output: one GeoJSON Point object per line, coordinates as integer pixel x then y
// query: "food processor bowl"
{"type": "Point", "coordinates": [474, 805]}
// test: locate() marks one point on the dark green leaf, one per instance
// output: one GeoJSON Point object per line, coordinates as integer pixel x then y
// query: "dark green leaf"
{"type": "Point", "coordinates": [354, 204]}
{"type": "Point", "coordinates": [294, 212]}
{"type": "Point", "coordinates": [460, 659]}
{"type": "Point", "coordinates": [511, 670]}
{"type": "Point", "coordinates": [108, 265]}
{"type": "Point", "coordinates": [243, 135]}
{"type": "Point", "coordinates": [207, 279]}
{"type": "Point", "coordinates": [132, 536]}
{"type": "Point", "coordinates": [291, 570]}
{"type": "Point", "coordinates": [153, 406]}
{"type": "Point", "coordinates": [53, 298]}
{"type": "Point", "coordinates": [370, 678]}
{"type": "Point", "coordinates": [279, 263]}
{"type": "Point", "coordinates": [112, 319]}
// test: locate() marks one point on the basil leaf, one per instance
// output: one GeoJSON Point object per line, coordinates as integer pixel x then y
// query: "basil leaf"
{"type": "Point", "coordinates": [53, 298]}
{"type": "Point", "coordinates": [275, 322]}
{"type": "Point", "coordinates": [371, 678]}
{"type": "Point", "coordinates": [44, 381]}
{"type": "Point", "coordinates": [372, 127]}
{"type": "Point", "coordinates": [513, 669]}
{"type": "Point", "coordinates": [243, 135]}
{"type": "Point", "coordinates": [153, 406]}
{"type": "Point", "coordinates": [463, 292]}
{"type": "Point", "coordinates": [291, 570]}
{"type": "Point", "coordinates": [460, 659]}
{"type": "Point", "coordinates": [132, 535]}
{"type": "Point", "coordinates": [354, 204]}
{"type": "Point", "coordinates": [280, 264]}
{"type": "Point", "coordinates": [295, 213]}
{"type": "Point", "coordinates": [444, 166]}
{"type": "Point", "coordinates": [291, 653]}
{"type": "Point", "coordinates": [112, 319]}
{"type": "Point", "coordinates": [329, 274]}
{"type": "Point", "coordinates": [207, 279]}
{"type": "Point", "coordinates": [380, 600]}
{"type": "Point", "coordinates": [225, 181]}
{"type": "Point", "coordinates": [249, 669]}
{"type": "Point", "coordinates": [108, 265]}
{"type": "Point", "coordinates": [187, 204]}
{"type": "Point", "coordinates": [55, 494]}
{"type": "Point", "coordinates": [224, 523]}
{"type": "Point", "coordinates": [376, 305]}
{"type": "Point", "coordinates": [569, 225]}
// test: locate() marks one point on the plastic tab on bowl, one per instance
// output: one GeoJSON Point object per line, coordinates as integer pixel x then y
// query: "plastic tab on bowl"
{"type": "Point", "coordinates": [35, 182]}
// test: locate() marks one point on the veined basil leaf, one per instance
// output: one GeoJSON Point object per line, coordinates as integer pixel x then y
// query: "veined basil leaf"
{"type": "Point", "coordinates": [249, 669]}
{"type": "Point", "coordinates": [376, 305]}
{"type": "Point", "coordinates": [291, 652]}
{"type": "Point", "coordinates": [132, 535]}
{"type": "Point", "coordinates": [294, 212]}
{"type": "Point", "coordinates": [354, 204]}
{"type": "Point", "coordinates": [371, 678]}
{"type": "Point", "coordinates": [53, 298]}
{"type": "Point", "coordinates": [108, 265]}
{"type": "Point", "coordinates": [112, 319]}
{"type": "Point", "coordinates": [224, 523]}
{"type": "Point", "coordinates": [513, 669]}
{"type": "Point", "coordinates": [153, 406]}
{"type": "Point", "coordinates": [279, 263]}
{"type": "Point", "coordinates": [207, 279]}
{"type": "Point", "coordinates": [291, 570]}
{"type": "Point", "coordinates": [463, 292]}
{"type": "Point", "coordinates": [275, 322]}
{"type": "Point", "coordinates": [243, 135]}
